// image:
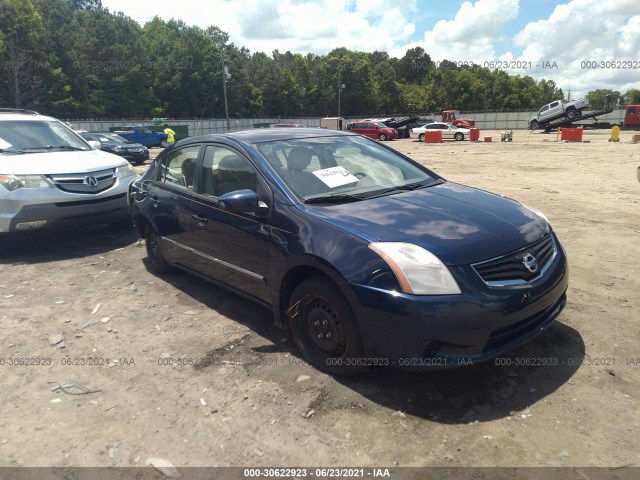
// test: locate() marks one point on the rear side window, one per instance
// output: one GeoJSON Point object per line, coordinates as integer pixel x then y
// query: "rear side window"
{"type": "Point", "coordinates": [179, 167]}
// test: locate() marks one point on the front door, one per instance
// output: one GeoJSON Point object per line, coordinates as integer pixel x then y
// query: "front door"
{"type": "Point", "coordinates": [232, 248]}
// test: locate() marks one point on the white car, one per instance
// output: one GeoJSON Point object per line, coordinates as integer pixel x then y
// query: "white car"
{"type": "Point", "coordinates": [51, 177]}
{"type": "Point", "coordinates": [449, 132]}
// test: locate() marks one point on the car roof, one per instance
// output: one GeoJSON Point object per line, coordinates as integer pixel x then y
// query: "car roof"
{"type": "Point", "coordinates": [259, 135]}
{"type": "Point", "coordinates": [14, 114]}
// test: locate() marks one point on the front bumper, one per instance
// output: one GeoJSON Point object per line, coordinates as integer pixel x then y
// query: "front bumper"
{"type": "Point", "coordinates": [437, 332]}
{"type": "Point", "coordinates": [53, 209]}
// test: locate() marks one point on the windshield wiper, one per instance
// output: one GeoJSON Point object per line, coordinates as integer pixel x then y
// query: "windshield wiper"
{"type": "Point", "coordinates": [10, 150]}
{"type": "Point", "coordinates": [405, 188]}
{"type": "Point", "coordinates": [337, 198]}
{"type": "Point", "coordinates": [62, 147]}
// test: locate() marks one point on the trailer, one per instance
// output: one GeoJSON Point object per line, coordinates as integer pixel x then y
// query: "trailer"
{"type": "Point", "coordinates": [571, 123]}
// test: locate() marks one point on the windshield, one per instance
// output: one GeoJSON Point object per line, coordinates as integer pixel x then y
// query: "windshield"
{"type": "Point", "coordinates": [110, 138]}
{"type": "Point", "coordinates": [37, 136]}
{"type": "Point", "coordinates": [380, 124]}
{"type": "Point", "coordinates": [342, 167]}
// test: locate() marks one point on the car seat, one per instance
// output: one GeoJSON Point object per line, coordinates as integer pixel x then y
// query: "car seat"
{"type": "Point", "coordinates": [303, 182]}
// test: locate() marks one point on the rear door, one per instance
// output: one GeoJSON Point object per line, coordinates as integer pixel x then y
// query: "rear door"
{"type": "Point", "coordinates": [555, 111]}
{"type": "Point", "coordinates": [170, 199]}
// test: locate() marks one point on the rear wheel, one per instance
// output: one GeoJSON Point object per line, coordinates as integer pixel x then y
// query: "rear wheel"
{"type": "Point", "coordinates": [154, 251]}
{"type": "Point", "coordinates": [382, 137]}
{"type": "Point", "coordinates": [459, 137]}
{"type": "Point", "coordinates": [572, 114]}
{"type": "Point", "coordinates": [421, 137]}
{"type": "Point", "coordinates": [324, 329]}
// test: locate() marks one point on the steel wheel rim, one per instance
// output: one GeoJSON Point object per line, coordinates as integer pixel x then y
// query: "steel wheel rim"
{"type": "Point", "coordinates": [325, 330]}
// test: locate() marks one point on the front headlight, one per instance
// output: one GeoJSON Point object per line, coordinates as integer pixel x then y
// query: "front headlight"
{"type": "Point", "coordinates": [536, 211]}
{"type": "Point", "coordinates": [418, 270]}
{"type": "Point", "coordinates": [15, 182]}
{"type": "Point", "coordinates": [126, 171]}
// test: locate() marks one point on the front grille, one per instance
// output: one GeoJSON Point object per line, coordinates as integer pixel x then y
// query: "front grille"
{"type": "Point", "coordinates": [87, 183]}
{"type": "Point", "coordinates": [511, 269]}
{"type": "Point", "coordinates": [97, 201]}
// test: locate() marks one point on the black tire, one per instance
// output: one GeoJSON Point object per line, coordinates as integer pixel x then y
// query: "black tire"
{"type": "Point", "coordinates": [534, 125]}
{"type": "Point", "coordinates": [572, 114]}
{"type": "Point", "coordinates": [154, 251]}
{"type": "Point", "coordinates": [324, 328]}
{"type": "Point", "coordinates": [458, 137]}
{"type": "Point", "coordinates": [421, 137]}
{"type": "Point", "coordinates": [382, 137]}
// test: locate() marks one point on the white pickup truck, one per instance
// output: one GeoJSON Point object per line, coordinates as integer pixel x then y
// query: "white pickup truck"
{"type": "Point", "coordinates": [557, 109]}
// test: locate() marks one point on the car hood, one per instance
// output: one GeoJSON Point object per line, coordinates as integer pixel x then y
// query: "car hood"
{"type": "Point", "coordinates": [125, 145]}
{"type": "Point", "coordinates": [53, 163]}
{"type": "Point", "coordinates": [461, 225]}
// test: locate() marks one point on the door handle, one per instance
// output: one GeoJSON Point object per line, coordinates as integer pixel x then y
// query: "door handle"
{"type": "Point", "coordinates": [201, 220]}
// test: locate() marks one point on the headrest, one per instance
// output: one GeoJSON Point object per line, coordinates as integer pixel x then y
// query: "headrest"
{"type": "Point", "coordinates": [299, 158]}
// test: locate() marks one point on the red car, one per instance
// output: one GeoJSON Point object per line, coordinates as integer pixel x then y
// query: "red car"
{"type": "Point", "coordinates": [373, 129]}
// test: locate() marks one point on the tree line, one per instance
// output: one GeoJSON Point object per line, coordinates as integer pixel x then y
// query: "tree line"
{"type": "Point", "coordinates": [76, 59]}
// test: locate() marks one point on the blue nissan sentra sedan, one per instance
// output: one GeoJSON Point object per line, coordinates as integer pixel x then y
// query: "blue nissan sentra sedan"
{"type": "Point", "coordinates": [368, 257]}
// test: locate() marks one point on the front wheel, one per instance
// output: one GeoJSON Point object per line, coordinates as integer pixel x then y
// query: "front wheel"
{"type": "Point", "coordinates": [382, 137]}
{"type": "Point", "coordinates": [154, 251]}
{"type": "Point", "coordinates": [324, 328]}
{"type": "Point", "coordinates": [458, 137]}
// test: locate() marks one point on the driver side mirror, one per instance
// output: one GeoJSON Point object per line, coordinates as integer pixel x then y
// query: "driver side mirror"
{"type": "Point", "coordinates": [95, 144]}
{"type": "Point", "coordinates": [240, 201]}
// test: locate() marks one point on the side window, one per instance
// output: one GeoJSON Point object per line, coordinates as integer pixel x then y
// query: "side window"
{"type": "Point", "coordinates": [180, 166]}
{"type": "Point", "coordinates": [544, 109]}
{"type": "Point", "coordinates": [225, 171]}
{"type": "Point", "coordinates": [632, 110]}
{"type": "Point", "coordinates": [554, 104]}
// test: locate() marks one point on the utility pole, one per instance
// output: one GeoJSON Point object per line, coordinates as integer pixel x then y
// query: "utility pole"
{"type": "Point", "coordinates": [225, 76]}
{"type": "Point", "coordinates": [340, 87]}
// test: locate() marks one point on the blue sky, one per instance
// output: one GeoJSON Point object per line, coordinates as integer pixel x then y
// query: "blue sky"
{"type": "Point", "coordinates": [532, 33]}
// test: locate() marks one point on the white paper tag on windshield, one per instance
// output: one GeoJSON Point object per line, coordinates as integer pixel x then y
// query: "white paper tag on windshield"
{"type": "Point", "coordinates": [335, 176]}
{"type": "Point", "coordinates": [4, 144]}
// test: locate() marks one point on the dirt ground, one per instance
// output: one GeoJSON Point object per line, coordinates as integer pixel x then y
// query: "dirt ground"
{"type": "Point", "coordinates": [178, 369]}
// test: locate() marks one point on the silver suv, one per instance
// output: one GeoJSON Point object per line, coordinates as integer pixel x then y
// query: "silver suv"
{"type": "Point", "coordinates": [51, 177]}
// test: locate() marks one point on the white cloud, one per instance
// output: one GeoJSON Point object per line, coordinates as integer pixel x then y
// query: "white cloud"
{"type": "Point", "coordinates": [585, 31]}
{"type": "Point", "coordinates": [472, 34]}
{"type": "Point", "coordinates": [297, 25]}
